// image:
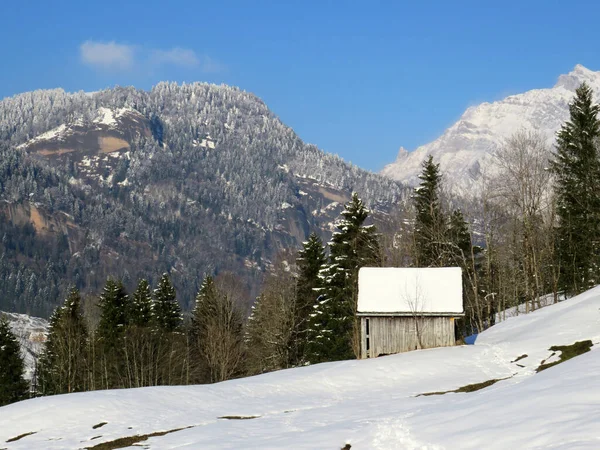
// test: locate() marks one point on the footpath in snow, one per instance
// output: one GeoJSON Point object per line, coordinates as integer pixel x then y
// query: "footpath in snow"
{"type": "Point", "coordinates": [369, 404]}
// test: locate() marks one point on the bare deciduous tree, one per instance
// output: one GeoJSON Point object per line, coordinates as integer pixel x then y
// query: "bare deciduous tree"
{"type": "Point", "coordinates": [522, 187]}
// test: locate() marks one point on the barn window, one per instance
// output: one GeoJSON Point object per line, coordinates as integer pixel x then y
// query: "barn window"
{"type": "Point", "coordinates": [367, 325]}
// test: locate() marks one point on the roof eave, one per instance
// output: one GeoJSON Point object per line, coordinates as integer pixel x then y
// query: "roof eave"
{"type": "Point", "coordinates": [409, 314]}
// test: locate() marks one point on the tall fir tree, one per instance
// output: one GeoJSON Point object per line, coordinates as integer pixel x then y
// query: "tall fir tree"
{"type": "Point", "coordinates": [576, 169]}
{"type": "Point", "coordinates": [217, 331]}
{"type": "Point", "coordinates": [13, 386]}
{"type": "Point", "coordinates": [114, 313]}
{"type": "Point", "coordinates": [430, 226]}
{"type": "Point", "coordinates": [141, 305]}
{"type": "Point", "coordinates": [334, 331]}
{"type": "Point", "coordinates": [166, 311]}
{"type": "Point", "coordinates": [458, 239]}
{"type": "Point", "coordinates": [310, 262]}
{"type": "Point", "coordinates": [271, 331]}
{"type": "Point", "coordinates": [63, 365]}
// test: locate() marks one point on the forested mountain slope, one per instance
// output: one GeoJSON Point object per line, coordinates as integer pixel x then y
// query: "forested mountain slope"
{"type": "Point", "coordinates": [188, 179]}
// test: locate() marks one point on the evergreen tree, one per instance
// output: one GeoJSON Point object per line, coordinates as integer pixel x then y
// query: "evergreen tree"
{"type": "Point", "coordinates": [430, 226]}
{"type": "Point", "coordinates": [310, 261]}
{"type": "Point", "coordinates": [458, 239]}
{"type": "Point", "coordinates": [334, 331]}
{"type": "Point", "coordinates": [141, 305]}
{"type": "Point", "coordinates": [577, 185]}
{"type": "Point", "coordinates": [271, 328]}
{"type": "Point", "coordinates": [13, 386]}
{"type": "Point", "coordinates": [63, 365]}
{"type": "Point", "coordinates": [167, 313]}
{"type": "Point", "coordinates": [114, 313]}
{"type": "Point", "coordinates": [217, 329]}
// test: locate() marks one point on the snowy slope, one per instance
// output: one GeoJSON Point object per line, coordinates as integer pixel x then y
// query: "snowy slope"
{"type": "Point", "coordinates": [31, 333]}
{"type": "Point", "coordinates": [464, 150]}
{"type": "Point", "coordinates": [371, 404]}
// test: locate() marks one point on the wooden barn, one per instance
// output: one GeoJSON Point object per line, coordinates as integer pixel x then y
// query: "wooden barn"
{"type": "Point", "coordinates": [404, 309]}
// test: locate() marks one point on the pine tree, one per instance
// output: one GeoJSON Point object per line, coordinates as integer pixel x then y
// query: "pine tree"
{"type": "Point", "coordinates": [576, 168]}
{"type": "Point", "coordinates": [63, 365]}
{"type": "Point", "coordinates": [310, 261]}
{"type": "Point", "coordinates": [114, 313]}
{"type": "Point", "coordinates": [334, 333]}
{"type": "Point", "coordinates": [13, 386]}
{"type": "Point", "coordinates": [141, 305]}
{"type": "Point", "coordinates": [167, 313]}
{"type": "Point", "coordinates": [429, 231]}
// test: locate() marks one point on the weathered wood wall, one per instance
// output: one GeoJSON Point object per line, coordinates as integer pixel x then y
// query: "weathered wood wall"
{"type": "Point", "coordinates": [389, 335]}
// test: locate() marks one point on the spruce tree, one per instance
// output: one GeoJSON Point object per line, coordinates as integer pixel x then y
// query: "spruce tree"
{"type": "Point", "coordinates": [577, 182]}
{"type": "Point", "coordinates": [13, 386]}
{"type": "Point", "coordinates": [114, 313]}
{"type": "Point", "coordinates": [310, 261]}
{"type": "Point", "coordinates": [166, 311]}
{"type": "Point", "coordinates": [217, 330]}
{"type": "Point", "coordinates": [141, 305]}
{"type": "Point", "coordinates": [429, 221]}
{"type": "Point", "coordinates": [63, 365]}
{"type": "Point", "coordinates": [458, 239]}
{"type": "Point", "coordinates": [334, 333]}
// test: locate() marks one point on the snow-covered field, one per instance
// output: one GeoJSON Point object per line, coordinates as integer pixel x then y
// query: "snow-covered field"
{"type": "Point", "coordinates": [369, 404]}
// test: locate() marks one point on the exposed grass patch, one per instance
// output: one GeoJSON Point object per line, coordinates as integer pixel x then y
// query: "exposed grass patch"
{"type": "Point", "coordinates": [98, 425]}
{"type": "Point", "coordinates": [238, 417]}
{"type": "Point", "coordinates": [128, 441]}
{"type": "Point", "coordinates": [21, 436]}
{"type": "Point", "coordinates": [566, 352]}
{"type": "Point", "coordinates": [468, 388]}
{"type": "Point", "coordinates": [519, 359]}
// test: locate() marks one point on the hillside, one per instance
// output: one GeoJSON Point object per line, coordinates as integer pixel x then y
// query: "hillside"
{"type": "Point", "coordinates": [31, 334]}
{"type": "Point", "coordinates": [189, 179]}
{"type": "Point", "coordinates": [465, 149]}
{"type": "Point", "coordinates": [369, 404]}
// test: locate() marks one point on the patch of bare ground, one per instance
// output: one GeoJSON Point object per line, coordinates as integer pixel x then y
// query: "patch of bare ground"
{"type": "Point", "coordinates": [238, 417]}
{"type": "Point", "coordinates": [21, 436]}
{"type": "Point", "coordinates": [468, 388]}
{"type": "Point", "coordinates": [128, 441]}
{"type": "Point", "coordinates": [566, 352]}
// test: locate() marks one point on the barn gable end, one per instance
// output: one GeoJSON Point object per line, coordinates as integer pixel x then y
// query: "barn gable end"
{"type": "Point", "coordinates": [403, 309]}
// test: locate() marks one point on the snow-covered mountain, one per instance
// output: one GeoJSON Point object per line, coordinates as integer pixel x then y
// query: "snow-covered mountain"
{"type": "Point", "coordinates": [369, 404]}
{"type": "Point", "coordinates": [464, 150]}
{"type": "Point", "coordinates": [31, 333]}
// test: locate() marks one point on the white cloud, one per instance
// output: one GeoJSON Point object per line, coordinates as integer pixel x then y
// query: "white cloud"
{"type": "Point", "coordinates": [120, 57]}
{"type": "Point", "coordinates": [107, 55]}
{"type": "Point", "coordinates": [176, 56]}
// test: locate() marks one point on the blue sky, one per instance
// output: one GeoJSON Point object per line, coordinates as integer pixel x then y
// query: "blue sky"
{"type": "Point", "coordinates": [358, 79]}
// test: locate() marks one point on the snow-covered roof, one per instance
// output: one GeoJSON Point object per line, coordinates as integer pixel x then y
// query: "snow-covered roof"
{"type": "Point", "coordinates": [403, 291]}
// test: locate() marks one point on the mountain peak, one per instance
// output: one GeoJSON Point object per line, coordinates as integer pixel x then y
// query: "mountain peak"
{"type": "Point", "coordinates": [578, 75]}
{"type": "Point", "coordinates": [465, 150]}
